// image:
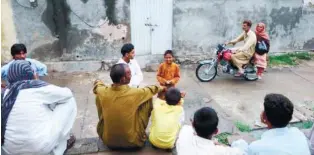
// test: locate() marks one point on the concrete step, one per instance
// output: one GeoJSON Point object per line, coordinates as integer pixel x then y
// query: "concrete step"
{"type": "Point", "coordinates": [95, 146]}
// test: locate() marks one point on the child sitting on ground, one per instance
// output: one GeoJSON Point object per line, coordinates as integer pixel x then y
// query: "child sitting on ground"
{"type": "Point", "coordinates": [167, 117]}
{"type": "Point", "coordinates": [168, 72]}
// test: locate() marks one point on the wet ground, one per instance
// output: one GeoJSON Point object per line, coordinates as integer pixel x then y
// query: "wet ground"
{"type": "Point", "coordinates": [234, 99]}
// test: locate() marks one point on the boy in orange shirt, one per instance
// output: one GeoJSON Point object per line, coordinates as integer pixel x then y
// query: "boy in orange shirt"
{"type": "Point", "coordinates": [168, 72]}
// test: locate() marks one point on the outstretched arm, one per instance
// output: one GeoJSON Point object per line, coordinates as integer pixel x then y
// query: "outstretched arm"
{"type": "Point", "coordinates": [238, 39]}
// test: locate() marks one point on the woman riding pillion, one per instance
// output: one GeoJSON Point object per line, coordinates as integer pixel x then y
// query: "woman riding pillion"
{"type": "Point", "coordinates": [261, 50]}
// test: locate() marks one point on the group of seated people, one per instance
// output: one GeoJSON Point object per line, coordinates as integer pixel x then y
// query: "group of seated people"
{"type": "Point", "coordinates": [37, 117]}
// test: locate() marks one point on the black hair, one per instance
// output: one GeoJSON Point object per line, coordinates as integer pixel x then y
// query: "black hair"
{"type": "Point", "coordinates": [126, 48]}
{"type": "Point", "coordinates": [278, 110]}
{"type": "Point", "coordinates": [205, 122]}
{"type": "Point", "coordinates": [168, 52]}
{"type": "Point", "coordinates": [17, 48]}
{"type": "Point", "coordinates": [117, 72]}
{"type": "Point", "coordinates": [247, 22]}
{"type": "Point", "coordinates": [173, 96]}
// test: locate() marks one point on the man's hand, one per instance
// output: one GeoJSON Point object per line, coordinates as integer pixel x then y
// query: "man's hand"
{"type": "Point", "coordinates": [183, 94]}
{"type": "Point", "coordinates": [97, 81]}
{"type": "Point", "coordinates": [36, 76]}
{"type": "Point", "coordinates": [229, 43]}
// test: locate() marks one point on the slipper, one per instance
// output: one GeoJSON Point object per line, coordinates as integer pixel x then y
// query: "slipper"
{"type": "Point", "coordinates": [71, 141]}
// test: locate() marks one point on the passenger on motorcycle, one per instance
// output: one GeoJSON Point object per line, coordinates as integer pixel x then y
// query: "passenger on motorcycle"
{"type": "Point", "coordinates": [242, 55]}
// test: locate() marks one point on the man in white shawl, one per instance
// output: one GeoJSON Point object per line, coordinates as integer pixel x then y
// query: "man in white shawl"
{"type": "Point", "coordinates": [36, 116]}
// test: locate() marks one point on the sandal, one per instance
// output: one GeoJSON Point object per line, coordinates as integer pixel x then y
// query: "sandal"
{"type": "Point", "coordinates": [71, 141]}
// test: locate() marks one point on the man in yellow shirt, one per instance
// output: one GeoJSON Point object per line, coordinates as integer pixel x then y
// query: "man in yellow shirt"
{"type": "Point", "coordinates": [167, 117]}
{"type": "Point", "coordinates": [123, 111]}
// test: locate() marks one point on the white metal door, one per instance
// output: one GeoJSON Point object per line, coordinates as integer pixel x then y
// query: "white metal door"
{"type": "Point", "coordinates": [151, 26]}
{"type": "Point", "coordinates": [140, 32]}
{"type": "Point", "coordinates": [162, 13]}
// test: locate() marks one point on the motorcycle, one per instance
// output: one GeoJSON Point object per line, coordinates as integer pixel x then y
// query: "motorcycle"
{"type": "Point", "coordinates": [207, 69]}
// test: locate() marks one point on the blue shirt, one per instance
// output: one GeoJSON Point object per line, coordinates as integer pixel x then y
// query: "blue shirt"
{"type": "Point", "coordinates": [38, 67]}
{"type": "Point", "coordinates": [277, 141]}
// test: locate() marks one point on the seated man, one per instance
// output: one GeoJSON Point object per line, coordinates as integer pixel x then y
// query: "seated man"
{"type": "Point", "coordinates": [243, 54]}
{"type": "Point", "coordinates": [18, 52]}
{"type": "Point", "coordinates": [199, 140]}
{"type": "Point", "coordinates": [36, 116]}
{"type": "Point", "coordinates": [123, 111]}
{"type": "Point", "coordinates": [279, 139]}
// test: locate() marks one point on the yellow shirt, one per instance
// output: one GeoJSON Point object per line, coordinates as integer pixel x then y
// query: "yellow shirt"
{"type": "Point", "coordinates": [120, 121]}
{"type": "Point", "coordinates": [166, 123]}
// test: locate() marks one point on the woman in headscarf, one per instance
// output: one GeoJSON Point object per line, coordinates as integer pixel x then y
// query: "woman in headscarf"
{"type": "Point", "coordinates": [36, 116]}
{"type": "Point", "coordinates": [262, 48]}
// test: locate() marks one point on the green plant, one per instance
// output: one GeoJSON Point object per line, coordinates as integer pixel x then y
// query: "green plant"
{"type": "Point", "coordinates": [281, 60]}
{"type": "Point", "coordinates": [243, 127]}
{"type": "Point", "coordinates": [290, 58]}
{"type": "Point", "coordinates": [302, 55]}
{"type": "Point", "coordinates": [308, 124]}
{"type": "Point", "coordinates": [303, 125]}
{"type": "Point", "coordinates": [222, 137]}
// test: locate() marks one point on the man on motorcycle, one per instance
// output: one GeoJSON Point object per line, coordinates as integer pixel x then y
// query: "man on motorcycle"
{"type": "Point", "coordinates": [242, 55]}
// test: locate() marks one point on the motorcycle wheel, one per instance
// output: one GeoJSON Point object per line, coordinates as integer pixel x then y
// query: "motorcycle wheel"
{"type": "Point", "coordinates": [208, 77]}
{"type": "Point", "coordinates": [250, 77]}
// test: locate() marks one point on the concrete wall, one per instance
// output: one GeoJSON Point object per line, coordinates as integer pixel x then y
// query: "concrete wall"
{"type": "Point", "coordinates": [199, 25]}
{"type": "Point", "coordinates": [67, 30]}
{"type": "Point", "coordinates": [59, 30]}
{"type": "Point", "coordinates": [8, 33]}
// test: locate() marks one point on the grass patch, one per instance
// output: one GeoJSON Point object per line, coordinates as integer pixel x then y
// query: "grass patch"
{"type": "Point", "coordinates": [289, 59]}
{"type": "Point", "coordinates": [222, 138]}
{"type": "Point", "coordinates": [243, 127]}
{"type": "Point", "coordinates": [303, 125]}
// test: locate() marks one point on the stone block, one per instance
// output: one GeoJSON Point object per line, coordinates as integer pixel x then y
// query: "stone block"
{"type": "Point", "coordinates": [82, 146]}
{"type": "Point", "coordinates": [101, 146]}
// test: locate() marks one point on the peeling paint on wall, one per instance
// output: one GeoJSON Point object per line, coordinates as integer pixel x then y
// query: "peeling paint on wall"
{"type": "Point", "coordinates": [72, 29]}
{"type": "Point", "coordinates": [8, 33]}
{"type": "Point", "coordinates": [111, 32]}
